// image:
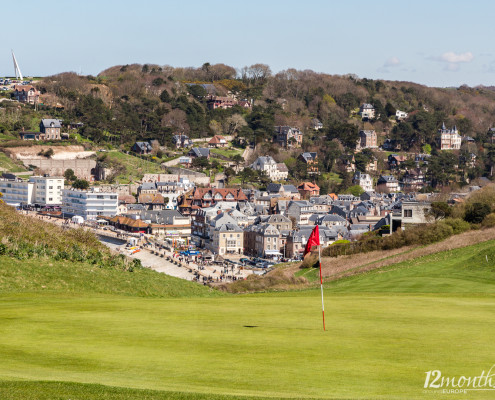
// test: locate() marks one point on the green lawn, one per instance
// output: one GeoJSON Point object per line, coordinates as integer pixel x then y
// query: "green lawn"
{"type": "Point", "coordinates": [385, 329]}
{"type": "Point", "coordinates": [227, 151]}
{"type": "Point", "coordinates": [332, 176]}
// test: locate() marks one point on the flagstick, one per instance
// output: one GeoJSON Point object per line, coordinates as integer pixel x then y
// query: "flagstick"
{"type": "Point", "coordinates": [321, 285]}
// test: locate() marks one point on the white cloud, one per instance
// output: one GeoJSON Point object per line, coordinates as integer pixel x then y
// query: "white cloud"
{"type": "Point", "coordinates": [392, 62]}
{"type": "Point", "coordinates": [454, 58]}
{"type": "Point", "coordinates": [389, 63]}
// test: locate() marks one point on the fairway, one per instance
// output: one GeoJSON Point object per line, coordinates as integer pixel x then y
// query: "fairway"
{"type": "Point", "coordinates": [75, 331]}
{"type": "Point", "coordinates": [263, 345]}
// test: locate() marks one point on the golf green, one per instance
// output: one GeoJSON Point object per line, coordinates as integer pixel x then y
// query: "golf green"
{"type": "Point", "coordinates": [375, 346]}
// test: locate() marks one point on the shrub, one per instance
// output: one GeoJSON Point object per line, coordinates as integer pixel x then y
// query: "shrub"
{"type": "Point", "coordinates": [476, 212]}
{"type": "Point", "coordinates": [489, 221]}
{"type": "Point", "coordinates": [457, 224]}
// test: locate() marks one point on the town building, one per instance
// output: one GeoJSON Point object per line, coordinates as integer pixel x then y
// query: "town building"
{"type": "Point", "coordinates": [268, 165]}
{"type": "Point", "coordinates": [287, 136]}
{"type": "Point", "coordinates": [287, 191]}
{"type": "Point", "coordinates": [311, 161]}
{"type": "Point", "coordinates": [47, 189]}
{"type": "Point", "coordinates": [190, 202]}
{"type": "Point", "coordinates": [89, 204]}
{"type": "Point", "coordinates": [142, 148]}
{"type": "Point", "coordinates": [449, 139]}
{"type": "Point", "coordinates": [367, 111]}
{"type": "Point", "coordinates": [28, 135]}
{"type": "Point", "coordinates": [41, 190]}
{"type": "Point", "coordinates": [26, 94]}
{"type": "Point", "coordinates": [262, 241]}
{"type": "Point", "coordinates": [218, 141]}
{"type": "Point", "coordinates": [180, 141]}
{"type": "Point", "coordinates": [316, 124]}
{"type": "Point", "coordinates": [387, 184]}
{"type": "Point", "coordinates": [363, 180]}
{"type": "Point", "coordinates": [367, 140]}
{"type": "Point", "coordinates": [51, 128]}
{"type": "Point", "coordinates": [16, 192]}
{"type": "Point", "coordinates": [400, 115]}
{"type": "Point", "coordinates": [308, 189]}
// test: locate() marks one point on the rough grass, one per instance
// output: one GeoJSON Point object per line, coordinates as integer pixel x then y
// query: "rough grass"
{"type": "Point", "coordinates": [47, 275]}
{"type": "Point", "coordinates": [131, 168]}
{"type": "Point", "coordinates": [17, 228]}
{"type": "Point", "coordinates": [7, 164]}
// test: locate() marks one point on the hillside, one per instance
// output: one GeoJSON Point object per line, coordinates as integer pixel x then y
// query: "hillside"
{"type": "Point", "coordinates": [129, 103]}
{"type": "Point", "coordinates": [37, 256]}
{"type": "Point", "coordinates": [459, 250]}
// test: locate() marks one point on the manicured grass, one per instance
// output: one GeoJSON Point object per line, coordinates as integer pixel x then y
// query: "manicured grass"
{"type": "Point", "coordinates": [10, 165]}
{"type": "Point", "coordinates": [385, 329]}
{"type": "Point", "coordinates": [376, 346]}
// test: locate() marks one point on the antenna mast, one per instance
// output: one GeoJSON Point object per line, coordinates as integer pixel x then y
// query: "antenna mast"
{"type": "Point", "coordinates": [18, 74]}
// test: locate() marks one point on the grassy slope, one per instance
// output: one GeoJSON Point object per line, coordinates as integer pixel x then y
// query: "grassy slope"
{"type": "Point", "coordinates": [385, 329]}
{"type": "Point", "coordinates": [135, 166]}
{"type": "Point", "coordinates": [9, 165]}
{"type": "Point", "coordinates": [46, 275]}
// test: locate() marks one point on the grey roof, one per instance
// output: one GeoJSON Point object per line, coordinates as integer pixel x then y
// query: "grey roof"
{"type": "Point", "coordinates": [47, 123]}
{"type": "Point", "coordinates": [332, 218]}
{"type": "Point", "coordinates": [309, 156]}
{"type": "Point", "coordinates": [262, 160]}
{"type": "Point", "coordinates": [145, 146]}
{"type": "Point", "coordinates": [228, 228]}
{"type": "Point", "coordinates": [386, 178]}
{"type": "Point", "coordinates": [200, 152]}
{"type": "Point", "coordinates": [275, 188]}
{"type": "Point", "coordinates": [165, 217]}
{"type": "Point", "coordinates": [148, 186]}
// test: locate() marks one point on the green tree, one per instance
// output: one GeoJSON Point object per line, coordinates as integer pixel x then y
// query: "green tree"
{"type": "Point", "coordinates": [390, 109]}
{"type": "Point", "coordinates": [200, 163]}
{"type": "Point", "coordinates": [69, 175]}
{"type": "Point", "coordinates": [229, 173]}
{"type": "Point", "coordinates": [80, 184]}
{"type": "Point", "coordinates": [476, 212]}
{"type": "Point", "coordinates": [355, 190]}
{"type": "Point", "coordinates": [197, 91]}
{"type": "Point", "coordinates": [165, 96]}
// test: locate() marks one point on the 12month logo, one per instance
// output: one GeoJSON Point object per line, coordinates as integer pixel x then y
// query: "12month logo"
{"type": "Point", "coordinates": [459, 384]}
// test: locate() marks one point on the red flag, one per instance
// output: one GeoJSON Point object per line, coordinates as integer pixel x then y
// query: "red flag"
{"type": "Point", "coordinates": [313, 240]}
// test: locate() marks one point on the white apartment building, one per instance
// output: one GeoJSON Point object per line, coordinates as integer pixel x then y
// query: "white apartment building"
{"type": "Point", "coordinates": [16, 192]}
{"type": "Point", "coordinates": [364, 180]}
{"type": "Point", "coordinates": [43, 190]}
{"type": "Point", "coordinates": [89, 204]}
{"type": "Point", "coordinates": [47, 189]}
{"type": "Point", "coordinates": [272, 169]}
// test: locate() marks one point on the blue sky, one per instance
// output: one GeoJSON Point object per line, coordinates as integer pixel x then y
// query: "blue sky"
{"type": "Point", "coordinates": [435, 42]}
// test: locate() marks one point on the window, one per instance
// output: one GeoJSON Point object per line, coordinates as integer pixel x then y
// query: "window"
{"type": "Point", "coordinates": [407, 213]}
{"type": "Point", "coordinates": [50, 199]}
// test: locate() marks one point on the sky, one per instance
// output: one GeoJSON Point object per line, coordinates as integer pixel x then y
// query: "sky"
{"type": "Point", "coordinates": [437, 42]}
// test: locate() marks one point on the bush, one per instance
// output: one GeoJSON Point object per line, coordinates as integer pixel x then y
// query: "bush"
{"type": "Point", "coordinates": [476, 212]}
{"type": "Point", "coordinates": [489, 221]}
{"type": "Point", "coordinates": [457, 224]}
